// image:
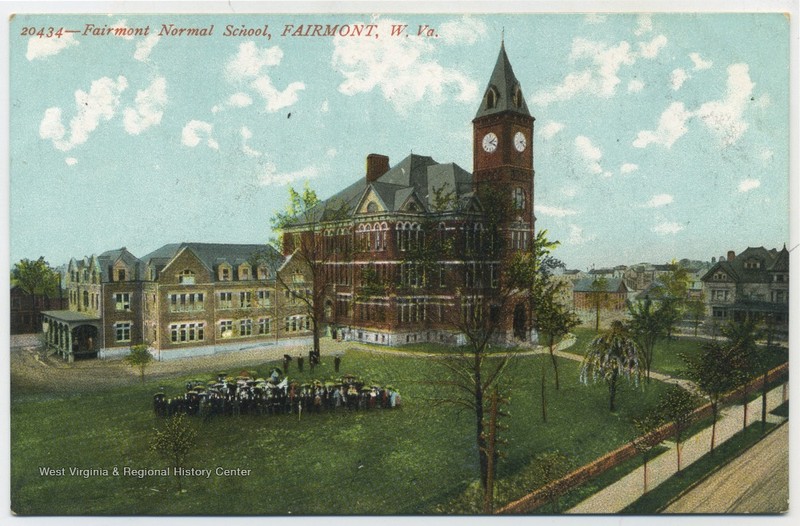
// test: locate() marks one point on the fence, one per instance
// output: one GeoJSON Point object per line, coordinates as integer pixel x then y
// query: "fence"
{"type": "Point", "coordinates": [544, 494]}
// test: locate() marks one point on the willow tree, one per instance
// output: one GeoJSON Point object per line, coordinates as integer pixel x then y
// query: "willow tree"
{"type": "Point", "coordinates": [611, 356]}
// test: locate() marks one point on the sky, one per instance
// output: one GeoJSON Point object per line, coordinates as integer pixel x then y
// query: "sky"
{"type": "Point", "coordinates": [657, 137]}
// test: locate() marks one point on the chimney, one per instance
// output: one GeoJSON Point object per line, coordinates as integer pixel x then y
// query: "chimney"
{"type": "Point", "coordinates": [721, 259]}
{"type": "Point", "coordinates": [377, 165]}
{"type": "Point", "coordinates": [731, 255]}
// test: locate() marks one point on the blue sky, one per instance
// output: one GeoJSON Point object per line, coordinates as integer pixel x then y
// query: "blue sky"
{"type": "Point", "coordinates": [656, 137]}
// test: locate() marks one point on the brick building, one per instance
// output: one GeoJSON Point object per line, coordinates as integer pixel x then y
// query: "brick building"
{"type": "Point", "coordinates": [616, 294]}
{"type": "Point", "coordinates": [182, 299]}
{"type": "Point", "coordinates": [374, 288]}
{"type": "Point", "coordinates": [26, 310]}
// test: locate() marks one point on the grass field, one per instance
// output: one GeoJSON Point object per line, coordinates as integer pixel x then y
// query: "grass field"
{"type": "Point", "coordinates": [416, 459]}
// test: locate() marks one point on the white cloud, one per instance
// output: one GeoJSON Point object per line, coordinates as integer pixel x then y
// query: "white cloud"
{"type": "Point", "coordinates": [331, 152]}
{"type": "Point", "coordinates": [628, 168]}
{"type": "Point", "coordinates": [325, 107]}
{"type": "Point", "coordinates": [766, 155]}
{"type": "Point", "coordinates": [246, 136]}
{"type": "Point", "coordinates": [47, 47]}
{"type": "Point", "coordinates": [667, 227]}
{"type": "Point", "coordinates": [145, 46]}
{"type": "Point", "coordinates": [237, 100]}
{"type": "Point", "coordinates": [659, 200]}
{"type": "Point", "coordinates": [248, 62]}
{"type": "Point", "coordinates": [591, 154]}
{"type": "Point", "coordinates": [651, 49]}
{"type": "Point", "coordinates": [601, 76]}
{"type": "Point", "coordinates": [576, 236]}
{"type": "Point", "coordinates": [99, 104]}
{"type": "Point", "coordinates": [550, 129]}
{"type": "Point", "coordinates": [276, 99]}
{"type": "Point", "coordinates": [149, 108]}
{"type": "Point", "coordinates": [71, 161]}
{"type": "Point", "coordinates": [635, 86]}
{"type": "Point", "coordinates": [677, 78]}
{"type": "Point", "coordinates": [724, 117]}
{"type": "Point", "coordinates": [749, 184]}
{"type": "Point", "coordinates": [553, 211]}
{"type": "Point", "coordinates": [466, 30]}
{"type": "Point", "coordinates": [271, 176]}
{"type": "Point", "coordinates": [699, 63]}
{"type": "Point", "coordinates": [671, 126]}
{"type": "Point", "coordinates": [569, 191]}
{"type": "Point", "coordinates": [194, 132]}
{"type": "Point", "coordinates": [401, 68]}
{"type": "Point", "coordinates": [246, 67]}
{"type": "Point", "coordinates": [644, 25]}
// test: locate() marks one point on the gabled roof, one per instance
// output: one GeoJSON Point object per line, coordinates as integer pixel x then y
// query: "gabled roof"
{"type": "Point", "coordinates": [612, 285]}
{"type": "Point", "coordinates": [110, 257]}
{"type": "Point", "coordinates": [505, 84]}
{"type": "Point", "coordinates": [415, 175]}
{"type": "Point", "coordinates": [771, 261]}
{"type": "Point", "coordinates": [213, 254]}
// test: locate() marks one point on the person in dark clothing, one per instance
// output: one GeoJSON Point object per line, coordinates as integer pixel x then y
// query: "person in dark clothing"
{"type": "Point", "coordinates": [337, 361]}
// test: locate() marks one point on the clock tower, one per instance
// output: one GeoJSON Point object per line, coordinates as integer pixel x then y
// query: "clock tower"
{"type": "Point", "coordinates": [502, 145]}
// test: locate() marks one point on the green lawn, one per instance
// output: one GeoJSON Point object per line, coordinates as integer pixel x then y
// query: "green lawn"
{"type": "Point", "coordinates": [417, 459]}
{"type": "Point", "coordinates": [667, 353]}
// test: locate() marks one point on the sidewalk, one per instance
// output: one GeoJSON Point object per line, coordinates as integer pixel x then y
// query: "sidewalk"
{"type": "Point", "coordinates": [625, 491]}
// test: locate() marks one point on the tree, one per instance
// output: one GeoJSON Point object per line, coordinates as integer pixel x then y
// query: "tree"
{"type": "Point", "coordinates": [677, 406]}
{"type": "Point", "coordinates": [646, 439]}
{"type": "Point", "coordinates": [696, 309]}
{"type": "Point", "coordinates": [302, 237]}
{"type": "Point", "coordinates": [647, 326]}
{"type": "Point", "coordinates": [715, 372]}
{"type": "Point", "coordinates": [743, 335]}
{"type": "Point", "coordinates": [672, 293]}
{"type": "Point", "coordinates": [551, 466]}
{"type": "Point", "coordinates": [139, 358]}
{"type": "Point", "coordinates": [174, 442]}
{"type": "Point", "coordinates": [36, 277]}
{"type": "Point", "coordinates": [611, 355]}
{"type": "Point", "coordinates": [599, 298]}
{"type": "Point", "coordinates": [491, 281]}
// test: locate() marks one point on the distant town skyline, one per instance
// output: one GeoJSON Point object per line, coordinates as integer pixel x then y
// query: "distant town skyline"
{"type": "Point", "coordinates": [658, 137]}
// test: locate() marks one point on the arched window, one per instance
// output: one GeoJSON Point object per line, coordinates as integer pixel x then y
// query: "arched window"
{"type": "Point", "coordinates": [372, 207]}
{"type": "Point", "coordinates": [491, 98]}
{"type": "Point", "coordinates": [519, 198]}
{"type": "Point", "coordinates": [517, 97]}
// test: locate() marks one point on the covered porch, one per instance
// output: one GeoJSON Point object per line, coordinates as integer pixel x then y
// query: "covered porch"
{"type": "Point", "coordinates": [71, 334]}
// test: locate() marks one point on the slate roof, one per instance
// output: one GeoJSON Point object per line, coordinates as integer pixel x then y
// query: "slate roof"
{"type": "Point", "coordinates": [213, 254]}
{"type": "Point", "coordinates": [415, 175]}
{"type": "Point", "coordinates": [505, 82]}
{"type": "Point", "coordinates": [109, 257]}
{"type": "Point", "coordinates": [613, 285]}
{"type": "Point", "coordinates": [771, 261]}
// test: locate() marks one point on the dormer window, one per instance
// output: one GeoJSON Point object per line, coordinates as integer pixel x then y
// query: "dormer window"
{"type": "Point", "coordinates": [244, 272]}
{"type": "Point", "coordinates": [224, 272]}
{"type": "Point", "coordinates": [752, 264]}
{"type": "Point", "coordinates": [186, 277]}
{"type": "Point", "coordinates": [517, 97]}
{"type": "Point", "coordinates": [491, 98]}
{"type": "Point", "coordinates": [262, 273]}
{"type": "Point", "coordinates": [120, 274]}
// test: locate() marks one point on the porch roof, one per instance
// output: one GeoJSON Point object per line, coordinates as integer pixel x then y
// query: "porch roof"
{"type": "Point", "coordinates": [70, 316]}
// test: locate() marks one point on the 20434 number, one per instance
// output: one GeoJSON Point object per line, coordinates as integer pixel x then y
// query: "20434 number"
{"type": "Point", "coordinates": [42, 32]}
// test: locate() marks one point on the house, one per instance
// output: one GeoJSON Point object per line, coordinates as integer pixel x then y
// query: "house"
{"type": "Point", "coordinates": [615, 294]}
{"type": "Point", "coordinates": [365, 236]}
{"type": "Point", "coordinates": [183, 299]}
{"type": "Point", "coordinates": [752, 283]}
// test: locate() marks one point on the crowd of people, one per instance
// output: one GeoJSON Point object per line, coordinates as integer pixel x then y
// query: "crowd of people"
{"type": "Point", "coordinates": [274, 395]}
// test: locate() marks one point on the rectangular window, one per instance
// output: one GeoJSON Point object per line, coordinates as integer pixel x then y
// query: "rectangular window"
{"type": "Point", "coordinates": [226, 328]}
{"type": "Point", "coordinates": [264, 326]}
{"type": "Point", "coordinates": [225, 274]}
{"type": "Point", "coordinates": [264, 299]}
{"type": "Point", "coordinates": [245, 299]}
{"type": "Point", "coordinates": [123, 332]}
{"type": "Point", "coordinates": [187, 332]}
{"type": "Point", "coordinates": [225, 301]}
{"type": "Point", "coordinates": [246, 327]}
{"type": "Point", "coordinates": [122, 301]}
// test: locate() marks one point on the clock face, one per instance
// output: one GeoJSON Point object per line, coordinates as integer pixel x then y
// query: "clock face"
{"type": "Point", "coordinates": [490, 142]}
{"type": "Point", "coordinates": [520, 142]}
